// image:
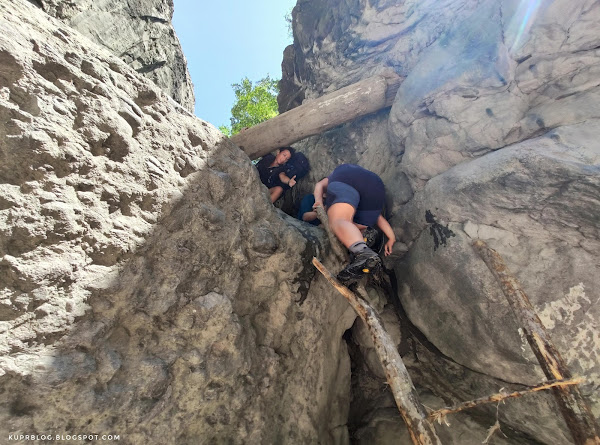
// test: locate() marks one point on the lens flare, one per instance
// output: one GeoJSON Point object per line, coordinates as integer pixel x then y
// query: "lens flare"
{"type": "Point", "coordinates": [522, 21]}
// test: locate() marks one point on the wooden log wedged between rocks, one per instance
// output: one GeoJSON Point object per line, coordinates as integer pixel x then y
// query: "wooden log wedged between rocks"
{"type": "Point", "coordinates": [421, 429]}
{"type": "Point", "coordinates": [318, 115]}
{"type": "Point", "coordinates": [574, 408]}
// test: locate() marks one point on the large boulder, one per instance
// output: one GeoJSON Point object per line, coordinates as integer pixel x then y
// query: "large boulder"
{"type": "Point", "coordinates": [535, 203]}
{"type": "Point", "coordinates": [138, 32]}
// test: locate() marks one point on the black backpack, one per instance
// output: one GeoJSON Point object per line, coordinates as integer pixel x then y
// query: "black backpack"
{"type": "Point", "coordinates": [297, 166]}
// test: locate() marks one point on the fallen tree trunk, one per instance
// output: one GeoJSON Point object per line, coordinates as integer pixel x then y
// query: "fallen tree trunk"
{"type": "Point", "coordinates": [318, 115]}
{"type": "Point", "coordinates": [412, 411]}
{"type": "Point", "coordinates": [573, 406]}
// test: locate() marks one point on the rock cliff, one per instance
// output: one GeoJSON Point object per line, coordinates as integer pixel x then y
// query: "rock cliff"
{"type": "Point", "coordinates": [148, 287]}
{"type": "Point", "coordinates": [139, 32]}
{"type": "Point", "coordinates": [493, 135]}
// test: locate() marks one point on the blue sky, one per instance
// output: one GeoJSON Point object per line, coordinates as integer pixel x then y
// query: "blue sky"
{"type": "Point", "coordinates": [227, 40]}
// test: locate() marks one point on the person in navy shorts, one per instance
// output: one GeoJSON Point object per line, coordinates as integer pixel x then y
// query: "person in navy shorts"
{"type": "Point", "coordinates": [355, 201]}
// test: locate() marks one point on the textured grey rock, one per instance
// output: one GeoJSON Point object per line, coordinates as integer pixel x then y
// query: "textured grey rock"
{"type": "Point", "coordinates": [138, 32]}
{"type": "Point", "coordinates": [465, 98]}
{"type": "Point", "coordinates": [536, 203]}
{"type": "Point", "coordinates": [149, 288]}
{"type": "Point", "coordinates": [494, 132]}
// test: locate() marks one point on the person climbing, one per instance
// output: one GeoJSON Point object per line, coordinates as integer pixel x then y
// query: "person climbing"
{"type": "Point", "coordinates": [271, 169]}
{"type": "Point", "coordinates": [355, 200]}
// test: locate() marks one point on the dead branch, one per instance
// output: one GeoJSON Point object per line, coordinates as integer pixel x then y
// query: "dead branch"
{"type": "Point", "coordinates": [573, 406]}
{"type": "Point", "coordinates": [412, 411]}
{"type": "Point", "coordinates": [439, 414]}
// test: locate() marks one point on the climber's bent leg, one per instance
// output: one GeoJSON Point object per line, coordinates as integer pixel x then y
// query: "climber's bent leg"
{"type": "Point", "coordinates": [275, 193]}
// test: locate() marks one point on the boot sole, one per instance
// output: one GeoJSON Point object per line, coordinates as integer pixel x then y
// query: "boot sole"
{"type": "Point", "coordinates": [370, 266]}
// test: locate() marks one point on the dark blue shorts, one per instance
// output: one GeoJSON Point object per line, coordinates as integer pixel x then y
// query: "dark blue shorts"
{"type": "Point", "coordinates": [306, 205]}
{"type": "Point", "coordinates": [359, 187]}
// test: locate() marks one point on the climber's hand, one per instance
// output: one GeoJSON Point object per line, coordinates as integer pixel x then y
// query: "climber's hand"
{"type": "Point", "coordinates": [388, 246]}
{"type": "Point", "coordinates": [292, 181]}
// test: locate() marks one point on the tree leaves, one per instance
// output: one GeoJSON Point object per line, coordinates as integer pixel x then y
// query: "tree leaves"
{"type": "Point", "coordinates": [254, 103]}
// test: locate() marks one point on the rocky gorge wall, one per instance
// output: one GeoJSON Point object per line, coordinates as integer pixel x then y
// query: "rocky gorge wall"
{"type": "Point", "coordinates": [139, 32]}
{"type": "Point", "coordinates": [493, 135]}
{"type": "Point", "coordinates": [148, 287]}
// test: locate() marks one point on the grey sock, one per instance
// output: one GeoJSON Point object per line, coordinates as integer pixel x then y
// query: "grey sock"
{"type": "Point", "coordinates": [358, 247]}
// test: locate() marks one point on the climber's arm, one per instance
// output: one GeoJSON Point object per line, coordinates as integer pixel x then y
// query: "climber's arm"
{"type": "Point", "coordinates": [385, 227]}
{"type": "Point", "coordinates": [320, 189]}
{"type": "Point", "coordinates": [289, 181]}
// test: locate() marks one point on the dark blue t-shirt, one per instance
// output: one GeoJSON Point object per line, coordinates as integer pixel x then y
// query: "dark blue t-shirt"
{"type": "Point", "coordinates": [269, 176]}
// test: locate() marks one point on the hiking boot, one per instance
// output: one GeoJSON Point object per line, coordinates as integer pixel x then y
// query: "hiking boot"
{"type": "Point", "coordinates": [365, 262]}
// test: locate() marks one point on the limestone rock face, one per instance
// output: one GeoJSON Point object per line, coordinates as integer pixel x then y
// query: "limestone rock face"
{"type": "Point", "coordinates": [493, 135]}
{"type": "Point", "coordinates": [148, 287]}
{"type": "Point", "coordinates": [139, 32]}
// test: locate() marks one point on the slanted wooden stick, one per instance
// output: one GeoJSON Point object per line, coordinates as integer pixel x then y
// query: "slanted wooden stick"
{"type": "Point", "coordinates": [573, 406]}
{"type": "Point", "coordinates": [412, 411]}
{"type": "Point", "coordinates": [441, 413]}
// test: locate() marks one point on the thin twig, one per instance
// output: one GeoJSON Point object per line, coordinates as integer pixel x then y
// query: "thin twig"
{"type": "Point", "coordinates": [441, 413]}
{"type": "Point", "coordinates": [493, 429]}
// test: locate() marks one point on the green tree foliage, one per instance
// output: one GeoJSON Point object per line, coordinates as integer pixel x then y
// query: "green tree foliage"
{"type": "Point", "coordinates": [254, 103]}
{"type": "Point", "coordinates": [225, 130]}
